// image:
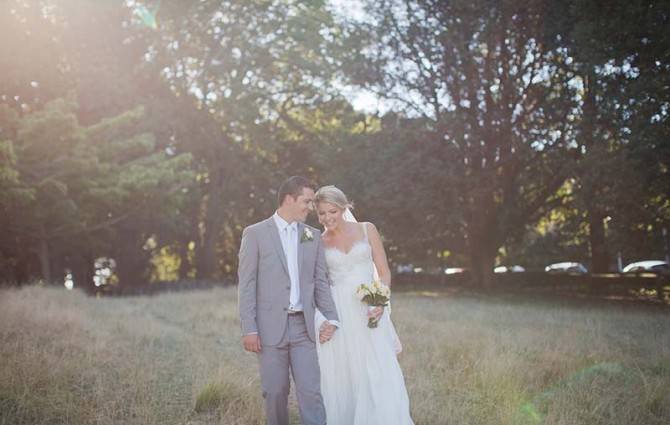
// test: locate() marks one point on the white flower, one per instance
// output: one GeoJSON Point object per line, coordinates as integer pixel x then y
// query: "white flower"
{"type": "Point", "coordinates": [385, 291]}
{"type": "Point", "coordinates": [374, 293]}
{"type": "Point", "coordinates": [307, 235]}
{"type": "Point", "coordinates": [362, 291]}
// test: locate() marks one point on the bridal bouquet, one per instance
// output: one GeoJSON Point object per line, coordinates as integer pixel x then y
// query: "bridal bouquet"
{"type": "Point", "coordinates": [374, 294]}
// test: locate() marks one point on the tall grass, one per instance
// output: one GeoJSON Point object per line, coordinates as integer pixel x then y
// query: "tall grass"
{"type": "Point", "coordinates": [177, 359]}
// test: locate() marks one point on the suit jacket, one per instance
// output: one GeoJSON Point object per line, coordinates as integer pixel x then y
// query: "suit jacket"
{"type": "Point", "coordinates": [264, 283]}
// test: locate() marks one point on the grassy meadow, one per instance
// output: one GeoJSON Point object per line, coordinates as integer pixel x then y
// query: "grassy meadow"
{"type": "Point", "coordinates": [177, 359]}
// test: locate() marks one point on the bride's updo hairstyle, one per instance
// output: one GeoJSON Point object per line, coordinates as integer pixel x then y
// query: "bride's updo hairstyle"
{"type": "Point", "coordinates": [332, 195]}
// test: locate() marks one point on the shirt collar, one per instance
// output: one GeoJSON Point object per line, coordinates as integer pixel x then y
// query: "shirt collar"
{"type": "Point", "coordinates": [283, 224]}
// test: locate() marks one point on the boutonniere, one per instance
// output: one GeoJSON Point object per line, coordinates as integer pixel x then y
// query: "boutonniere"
{"type": "Point", "coordinates": [307, 235]}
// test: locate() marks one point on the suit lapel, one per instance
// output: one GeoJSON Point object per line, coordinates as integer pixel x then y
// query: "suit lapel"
{"type": "Point", "coordinates": [274, 235]}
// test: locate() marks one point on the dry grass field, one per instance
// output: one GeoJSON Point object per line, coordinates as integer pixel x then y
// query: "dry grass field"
{"type": "Point", "coordinates": [177, 359]}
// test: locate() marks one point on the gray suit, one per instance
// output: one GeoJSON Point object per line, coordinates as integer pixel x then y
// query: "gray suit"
{"type": "Point", "coordinates": [286, 341]}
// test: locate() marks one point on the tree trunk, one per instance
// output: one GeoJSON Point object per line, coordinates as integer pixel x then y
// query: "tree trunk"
{"type": "Point", "coordinates": [598, 249]}
{"type": "Point", "coordinates": [22, 271]}
{"type": "Point", "coordinates": [185, 263]}
{"type": "Point", "coordinates": [482, 260]}
{"type": "Point", "coordinates": [45, 262]}
{"type": "Point", "coordinates": [206, 262]}
{"type": "Point", "coordinates": [131, 259]}
{"type": "Point", "coordinates": [57, 263]}
{"type": "Point", "coordinates": [82, 271]}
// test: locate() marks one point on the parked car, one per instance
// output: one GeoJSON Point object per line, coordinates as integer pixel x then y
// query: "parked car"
{"type": "Point", "coordinates": [651, 266]}
{"type": "Point", "coordinates": [566, 267]}
{"type": "Point", "coordinates": [509, 269]}
{"type": "Point", "coordinates": [454, 270]}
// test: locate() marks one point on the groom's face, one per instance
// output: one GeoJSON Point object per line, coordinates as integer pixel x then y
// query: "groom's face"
{"type": "Point", "coordinates": [301, 206]}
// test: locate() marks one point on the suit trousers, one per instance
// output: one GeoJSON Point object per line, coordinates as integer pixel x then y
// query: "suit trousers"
{"type": "Point", "coordinates": [297, 353]}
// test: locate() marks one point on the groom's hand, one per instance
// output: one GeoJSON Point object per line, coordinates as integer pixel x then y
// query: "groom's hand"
{"type": "Point", "coordinates": [252, 342]}
{"type": "Point", "coordinates": [326, 331]}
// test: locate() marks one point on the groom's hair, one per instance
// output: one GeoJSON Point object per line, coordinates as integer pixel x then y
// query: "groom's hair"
{"type": "Point", "coordinates": [293, 186]}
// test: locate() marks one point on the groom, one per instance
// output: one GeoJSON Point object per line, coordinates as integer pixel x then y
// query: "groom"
{"type": "Point", "coordinates": [282, 278]}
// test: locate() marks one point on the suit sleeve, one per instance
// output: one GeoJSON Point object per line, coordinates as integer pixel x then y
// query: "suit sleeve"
{"type": "Point", "coordinates": [247, 273]}
{"type": "Point", "coordinates": [322, 295]}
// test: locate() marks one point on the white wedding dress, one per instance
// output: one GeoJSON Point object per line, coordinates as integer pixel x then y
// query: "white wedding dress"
{"type": "Point", "coordinates": [361, 380]}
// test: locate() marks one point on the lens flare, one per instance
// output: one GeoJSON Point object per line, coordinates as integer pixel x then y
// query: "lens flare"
{"type": "Point", "coordinates": [528, 411]}
{"type": "Point", "coordinates": [147, 16]}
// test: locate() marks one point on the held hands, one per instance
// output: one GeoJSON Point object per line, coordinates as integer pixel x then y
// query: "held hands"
{"type": "Point", "coordinates": [252, 343]}
{"type": "Point", "coordinates": [326, 331]}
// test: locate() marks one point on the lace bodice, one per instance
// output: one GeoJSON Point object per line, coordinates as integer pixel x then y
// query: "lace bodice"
{"type": "Point", "coordinates": [350, 268]}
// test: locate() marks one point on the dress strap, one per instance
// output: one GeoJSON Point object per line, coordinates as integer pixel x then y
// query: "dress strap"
{"type": "Point", "coordinates": [365, 230]}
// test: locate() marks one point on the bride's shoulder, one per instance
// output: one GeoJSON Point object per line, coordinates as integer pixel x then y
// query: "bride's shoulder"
{"type": "Point", "coordinates": [371, 230]}
{"type": "Point", "coordinates": [370, 226]}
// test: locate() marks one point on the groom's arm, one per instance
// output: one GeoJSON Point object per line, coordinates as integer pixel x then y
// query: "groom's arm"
{"type": "Point", "coordinates": [247, 273]}
{"type": "Point", "coordinates": [322, 295]}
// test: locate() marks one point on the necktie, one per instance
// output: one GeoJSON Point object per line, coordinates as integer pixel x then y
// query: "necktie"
{"type": "Point", "coordinates": [292, 259]}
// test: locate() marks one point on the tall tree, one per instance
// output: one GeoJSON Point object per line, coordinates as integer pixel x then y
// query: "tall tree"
{"type": "Point", "coordinates": [620, 54]}
{"type": "Point", "coordinates": [245, 66]}
{"type": "Point", "coordinates": [496, 107]}
{"type": "Point", "coordinates": [96, 50]}
{"type": "Point", "coordinates": [81, 181]}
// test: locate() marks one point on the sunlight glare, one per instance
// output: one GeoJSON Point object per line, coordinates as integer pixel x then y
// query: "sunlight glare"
{"type": "Point", "coordinates": [146, 15]}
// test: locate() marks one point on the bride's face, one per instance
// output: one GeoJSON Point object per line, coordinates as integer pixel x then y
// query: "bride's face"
{"type": "Point", "coordinates": [329, 215]}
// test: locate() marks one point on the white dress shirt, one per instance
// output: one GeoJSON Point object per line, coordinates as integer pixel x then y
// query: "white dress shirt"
{"type": "Point", "coordinates": [288, 233]}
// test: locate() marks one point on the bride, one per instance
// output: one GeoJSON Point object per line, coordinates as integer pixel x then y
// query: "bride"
{"type": "Point", "coordinates": [361, 380]}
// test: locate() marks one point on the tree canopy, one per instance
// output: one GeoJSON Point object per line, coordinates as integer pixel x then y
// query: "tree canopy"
{"type": "Point", "coordinates": [154, 132]}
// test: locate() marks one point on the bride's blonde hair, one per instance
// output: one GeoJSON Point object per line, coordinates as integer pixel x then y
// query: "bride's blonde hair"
{"type": "Point", "coordinates": [332, 195]}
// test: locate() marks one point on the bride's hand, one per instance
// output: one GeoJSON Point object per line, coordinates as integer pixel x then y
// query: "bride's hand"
{"type": "Point", "coordinates": [376, 313]}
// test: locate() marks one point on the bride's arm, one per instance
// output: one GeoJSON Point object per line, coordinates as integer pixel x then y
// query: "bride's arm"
{"type": "Point", "coordinates": [379, 255]}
